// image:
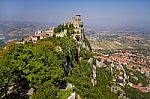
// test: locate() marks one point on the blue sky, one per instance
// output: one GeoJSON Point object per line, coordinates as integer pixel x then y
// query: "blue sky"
{"type": "Point", "coordinates": [94, 12]}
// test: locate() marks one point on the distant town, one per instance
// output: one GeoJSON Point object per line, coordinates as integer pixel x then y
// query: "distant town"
{"type": "Point", "coordinates": [126, 54]}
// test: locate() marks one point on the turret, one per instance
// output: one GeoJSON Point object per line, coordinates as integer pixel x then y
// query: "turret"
{"type": "Point", "coordinates": [78, 25]}
{"type": "Point", "coordinates": [76, 21]}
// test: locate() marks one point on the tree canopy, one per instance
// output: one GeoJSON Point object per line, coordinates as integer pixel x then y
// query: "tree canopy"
{"type": "Point", "coordinates": [47, 66]}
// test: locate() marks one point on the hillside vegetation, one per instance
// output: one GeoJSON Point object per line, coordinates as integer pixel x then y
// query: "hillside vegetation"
{"type": "Point", "coordinates": [47, 66]}
{"type": "Point", "coordinates": [53, 67]}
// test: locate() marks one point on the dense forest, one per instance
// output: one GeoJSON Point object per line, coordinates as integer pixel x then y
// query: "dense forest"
{"type": "Point", "coordinates": [48, 66]}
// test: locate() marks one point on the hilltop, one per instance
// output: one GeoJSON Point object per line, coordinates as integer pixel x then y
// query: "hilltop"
{"type": "Point", "coordinates": [57, 66]}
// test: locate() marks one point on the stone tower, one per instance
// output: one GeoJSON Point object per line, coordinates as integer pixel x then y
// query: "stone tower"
{"type": "Point", "coordinates": [78, 24]}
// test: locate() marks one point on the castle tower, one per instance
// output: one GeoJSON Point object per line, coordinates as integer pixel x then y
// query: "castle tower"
{"type": "Point", "coordinates": [76, 21]}
{"type": "Point", "coordinates": [78, 24]}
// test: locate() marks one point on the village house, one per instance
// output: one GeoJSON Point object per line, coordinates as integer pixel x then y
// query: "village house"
{"type": "Point", "coordinates": [142, 89]}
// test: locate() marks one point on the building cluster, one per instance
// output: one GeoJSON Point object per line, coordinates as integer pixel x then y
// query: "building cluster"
{"type": "Point", "coordinates": [118, 61]}
{"type": "Point", "coordinates": [40, 34]}
{"type": "Point", "coordinates": [128, 59]}
{"type": "Point", "coordinates": [142, 89]}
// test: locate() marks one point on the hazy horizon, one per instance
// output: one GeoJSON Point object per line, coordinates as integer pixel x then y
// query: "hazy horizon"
{"type": "Point", "coordinates": [94, 12]}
